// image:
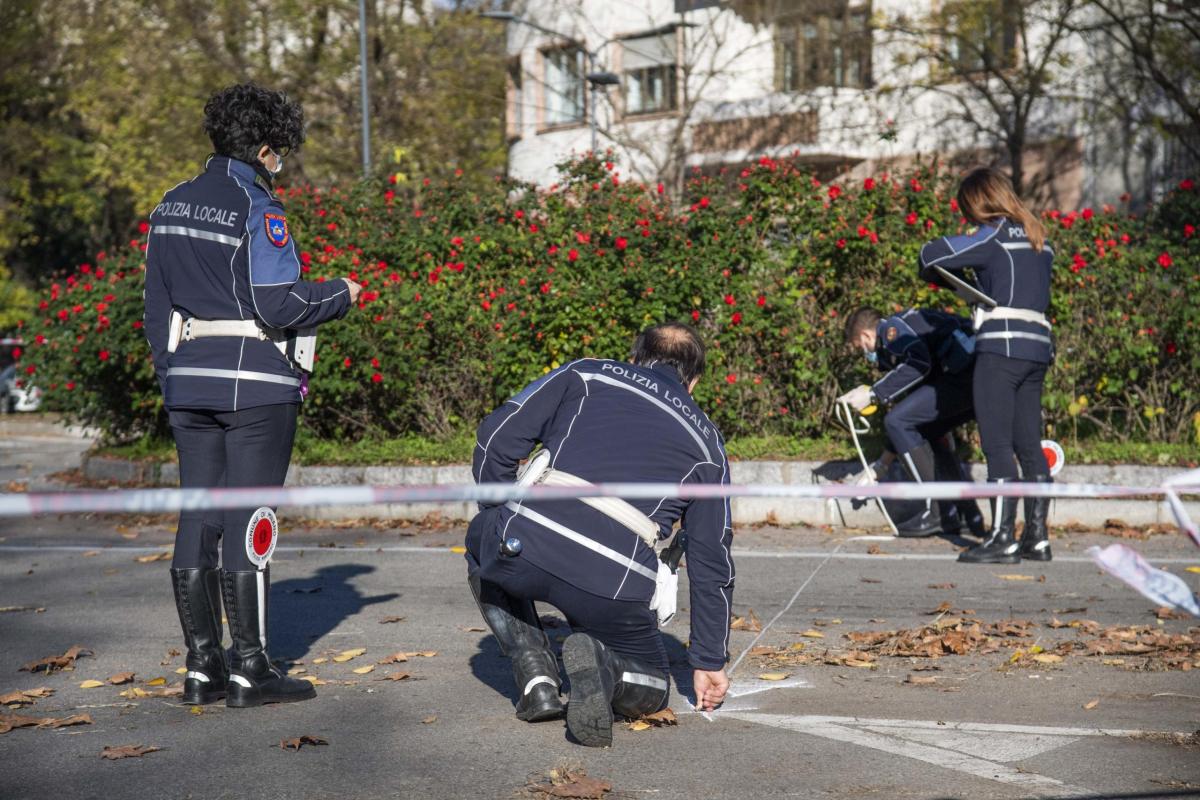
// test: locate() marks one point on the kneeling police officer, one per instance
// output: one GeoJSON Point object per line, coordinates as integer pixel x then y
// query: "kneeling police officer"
{"type": "Point", "coordinates": [594, 559]}
{"type": "Point", "coordinates": [230, 328]}
{"type": "Point", "coordinates": [929, 360]}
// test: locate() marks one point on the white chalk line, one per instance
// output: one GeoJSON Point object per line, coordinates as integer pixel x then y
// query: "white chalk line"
{"type": "Point", "coordinates": [957, 746]}
{"type": "Point", "coordinates": [442, 550]}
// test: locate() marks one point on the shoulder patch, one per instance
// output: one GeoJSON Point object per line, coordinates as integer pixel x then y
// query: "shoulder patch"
{"type": "Point", "coordinates": [891, 333]}
{"type": "Point", "coordinates": [277, 229]}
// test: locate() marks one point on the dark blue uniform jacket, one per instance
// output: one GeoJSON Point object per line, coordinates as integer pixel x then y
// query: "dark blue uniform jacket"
{"type": "Point", "coordinates": [607, 421]}
{"type": "Point", "coordinates": [1008, 270]}
{"type": "Point", "coordinates": [916, 346]}
{"type": "Point", "coordinates": [220, 249]}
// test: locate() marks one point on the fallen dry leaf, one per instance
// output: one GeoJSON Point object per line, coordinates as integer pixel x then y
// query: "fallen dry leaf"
{"type": "Point", "coordinates": [1047, 658]}
{"type": "Point", "coordinates": [346, 655]}
{"type": "Point", "coordinates": [1192, 569]}
{"type": "Point", "coordinates": [390, 620]}
{"type": "Point", "coordinates": [750, 623]}
{"type": "Point", "coordinates": [874, 550]}
{"type": "Point", "coordinates": [14, 609]}
{"type": "Point", "coordinates": [1015, 577]}
{"type": "Point", "coordinates": [91, 554]}
{"type": "Point", "coordinates": [774, 676]}
{"type": "Point", "coordinates": [124, 677]}
{"type": "Point", "coordinates": [25, 697]}
{"type": "Point", "coordinates": [661, 719]}
{"type": "Point", "coordinates": [55, 663]}
{"type": "Point", "coordinates": [920, 680]}
{"type": "Point", "coordinates": [639, 725]}
{"type": "Point", "coordinates": [320, 660]}
{"type": "Point", "coordinates": [147, 559]}
{"type": "Point", "coordinates": [91, 684]}
{"type": "Point", "coordinates": [1088, 706]}
{"type": "Point", "coordinates": [364, 670]}
{"type": "Point", "coordinates": [395, 676]}
{"type": "Point", "coordinates": [813, 634]}
{"type": "Point", "coordinates": [314, 680]}
{"type": "Point", "coordinates": [10, 722]}
{"type": "Point", "coordinates": [869, 580]}
{"type": "Point", "coordinates": [1166, 612]}
{"type": "Point", "coordinates": [128, 751]}
{"type": "Point", "coordinates": [572, 783]}
{"type": "Point", "coordinates": [432, 718]}
{"type": "Point", "coordinates": [394, 658]}
{"type": "Point", "coordinates": [475, 629]}
{"type": "Point", "coordinates": [160, 681]}
{"type": "Point", "coordinates": [67, 722]}
{"type": "Point", "coordinates": [942, 586]}
{"type": "Point", "coordinates": [300, 741]}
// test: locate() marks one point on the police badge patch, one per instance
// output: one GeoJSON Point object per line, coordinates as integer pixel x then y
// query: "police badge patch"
{"type": "Point", "coordinates": [891, 333]}
{"type": "Point", "coordinates": [277, 230]}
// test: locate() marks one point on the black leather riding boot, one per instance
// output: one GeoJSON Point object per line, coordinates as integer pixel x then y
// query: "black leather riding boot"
{"type": "Point", "coordinates": [919, 463]}
{"type": "Point", "coordinates": [198, 600]}
{"type": "Point", "coordinates": [604, 683]}
{"type": "Point", "coordinates": [253, 679]}
{"type": "Point", "coordinates": [1001, 545]}
{"type": "Point", "coordinates": [1035, 539]}
{"type": "Point", "coordinates": [535, 670]}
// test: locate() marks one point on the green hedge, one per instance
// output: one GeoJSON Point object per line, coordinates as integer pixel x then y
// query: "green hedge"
{"type": "Point", "coordinates": [470, 294]}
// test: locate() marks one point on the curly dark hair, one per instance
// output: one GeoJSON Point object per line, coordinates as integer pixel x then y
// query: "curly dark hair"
{"type": "Point", "coordinates": [241, 119]}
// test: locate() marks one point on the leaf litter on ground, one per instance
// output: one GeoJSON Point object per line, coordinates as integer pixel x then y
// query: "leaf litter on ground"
{"type": "Point", "coordinates": [128, 751]}
{"type": "Point", "coordinates": [568, 781]}
{"type": "Point", "coordinates": [56, 663]}
{"type": "Point", "coordinates": [300, 741]}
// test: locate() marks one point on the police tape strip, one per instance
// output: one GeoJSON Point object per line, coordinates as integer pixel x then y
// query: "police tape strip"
{"type": "Point", "coordinates": [143, 501]}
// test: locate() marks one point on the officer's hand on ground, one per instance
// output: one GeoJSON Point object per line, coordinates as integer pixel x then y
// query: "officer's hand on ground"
{"type": "Point", "coordinates": [710, 688]}
{"type": "Point", "coordinates": [354, 289]}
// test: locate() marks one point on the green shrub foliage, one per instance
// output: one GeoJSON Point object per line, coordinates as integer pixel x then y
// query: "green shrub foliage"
{"type": "Point", "coordinates": [469, 294]}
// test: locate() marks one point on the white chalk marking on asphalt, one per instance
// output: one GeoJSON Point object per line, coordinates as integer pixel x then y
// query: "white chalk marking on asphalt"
{"type": "Point", "coordinates": [743, 687]}
{"type": "Point", "coordinates": [738, 553]}
{"type": "Point", "coordinates": [942, 745]}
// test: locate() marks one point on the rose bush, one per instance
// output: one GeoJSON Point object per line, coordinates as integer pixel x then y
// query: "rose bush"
{"type": "Point", "coordinates": [468, 294]}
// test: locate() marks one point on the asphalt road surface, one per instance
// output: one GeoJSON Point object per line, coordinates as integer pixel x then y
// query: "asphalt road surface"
{"type": "Point", "coordinates": [835, 717]}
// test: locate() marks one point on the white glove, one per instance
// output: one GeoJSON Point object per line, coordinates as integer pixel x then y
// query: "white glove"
{"type": "Point", "coordinates": [666, 594]}
{"type": "Point", "coordinates": [857, 398]}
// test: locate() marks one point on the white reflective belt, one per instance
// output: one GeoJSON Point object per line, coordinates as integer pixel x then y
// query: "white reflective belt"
{"type": "Point", "coordinates": [1003, 312]}
{"type": "Point", "coordinates": [232, 374]}
{"type": "Point", "coordinates": [580, 539]}
{"type": "Point", "coordinates": [1037, 337]}
{"type": "Point", "coordinates": [205, 328]}
{"type": "Point", "coordinates": [643, 680]}
{"type": "Point", "coordinates": [614, 508]}
{"type": "Point", "coordinates": [196, 233]}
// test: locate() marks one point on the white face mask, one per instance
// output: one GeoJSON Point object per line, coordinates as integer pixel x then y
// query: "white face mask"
{"type": "Point", "coordinates": [278, 163]}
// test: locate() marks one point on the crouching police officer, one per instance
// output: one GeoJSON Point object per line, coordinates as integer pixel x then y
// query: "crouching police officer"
{"type": "Point", "coordinates": [929, 359]}
{"type": "Point", "coordinates": [230, 328]}
{"type": "Point", "coordinates": [594, 559]}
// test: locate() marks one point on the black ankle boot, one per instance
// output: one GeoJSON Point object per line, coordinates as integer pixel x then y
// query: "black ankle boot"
{"type": "Point", "coordinates": [198, 600]}
{"type": "Point", "coordinates": [1035, 539]}
{"type": "Point", "coordinates": [521, 638]}
{"type": "Point", "coordinates": [603, 684]}
{"type": "Point", "coordinates": [1001, 545]}
{"type": "Point", "coordinates": [253, 679]}
{"type": "Point", "coordinates": [920, 465]}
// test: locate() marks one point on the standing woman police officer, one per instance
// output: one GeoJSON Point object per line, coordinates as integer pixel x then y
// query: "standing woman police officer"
{"type": "Point", "coordinates": [230, 328]}
{"type": "Point", "coordinates": [1011, 261]}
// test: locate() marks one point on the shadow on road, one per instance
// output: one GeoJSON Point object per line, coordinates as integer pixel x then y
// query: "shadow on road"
{"type": "Point", "coordinates": [306, 609]}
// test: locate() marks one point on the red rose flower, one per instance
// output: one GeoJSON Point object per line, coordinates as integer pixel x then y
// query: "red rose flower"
{"type": "Point", "coordinates": [762, 300]}
{"type": "Point", "coordinates": [1189, 230]}
{"type": "Point", "coordinates": [376, 378]}
{"type": "Point", "coordinates": [622, 243]}
{"type": "Point", "coordinates": [869, 184]}
{"type": "Point", "coordinates": [1187, 184]}
{"type": "Point", "coordinates": [731, 378]}
{"type": "Point", "coordinates": [695, 315]}
{"type": "Point", "coordinates": [143, 227]}
{"type": "Point", "coordinates": [346, 361]}
{"type": "Point", "coordinates": [572, 254]}
{"type": "Point", "coordinates": [841, 244]}
{"type": "Point", "coordinates": [103, 355]}
{"type": "Point", "coordinates": [730, 300]}
{"type": "Point", "coordinates": [736, 319]}
{"type": "Point", "coordinates": [1164, 260]}
{"type": "Point", "coordinates": [1087, 213]}
{"type": "Point", "coordinates": [834, 192]}
{"type": "Point", "coordinates": [912, 218]}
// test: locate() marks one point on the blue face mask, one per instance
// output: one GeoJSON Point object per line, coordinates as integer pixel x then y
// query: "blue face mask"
{"type": "Point", "coordinates": [871, 356]}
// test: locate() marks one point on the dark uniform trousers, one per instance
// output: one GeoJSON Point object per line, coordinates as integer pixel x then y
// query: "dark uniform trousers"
{"type": "Point", "coordinates": [1008, 401]}
{"type": "Point", "coordinates": [250, 447]}
{"type": "Point", "coordinates": [627, 627]}
{"type": "Point", "coordinates": [930, 411]}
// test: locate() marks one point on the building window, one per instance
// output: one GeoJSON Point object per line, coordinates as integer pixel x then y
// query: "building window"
{"type": "Point", "coordinates": [563, 86]}
{"type": "Point", "coordinates": [650, 79]}
{"type": "Point", "coordinates": [515, 96]}
{"type": "Point", "coordinates": [824, 49]}
{"type": "Point", "coordinates": [983, 35]}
